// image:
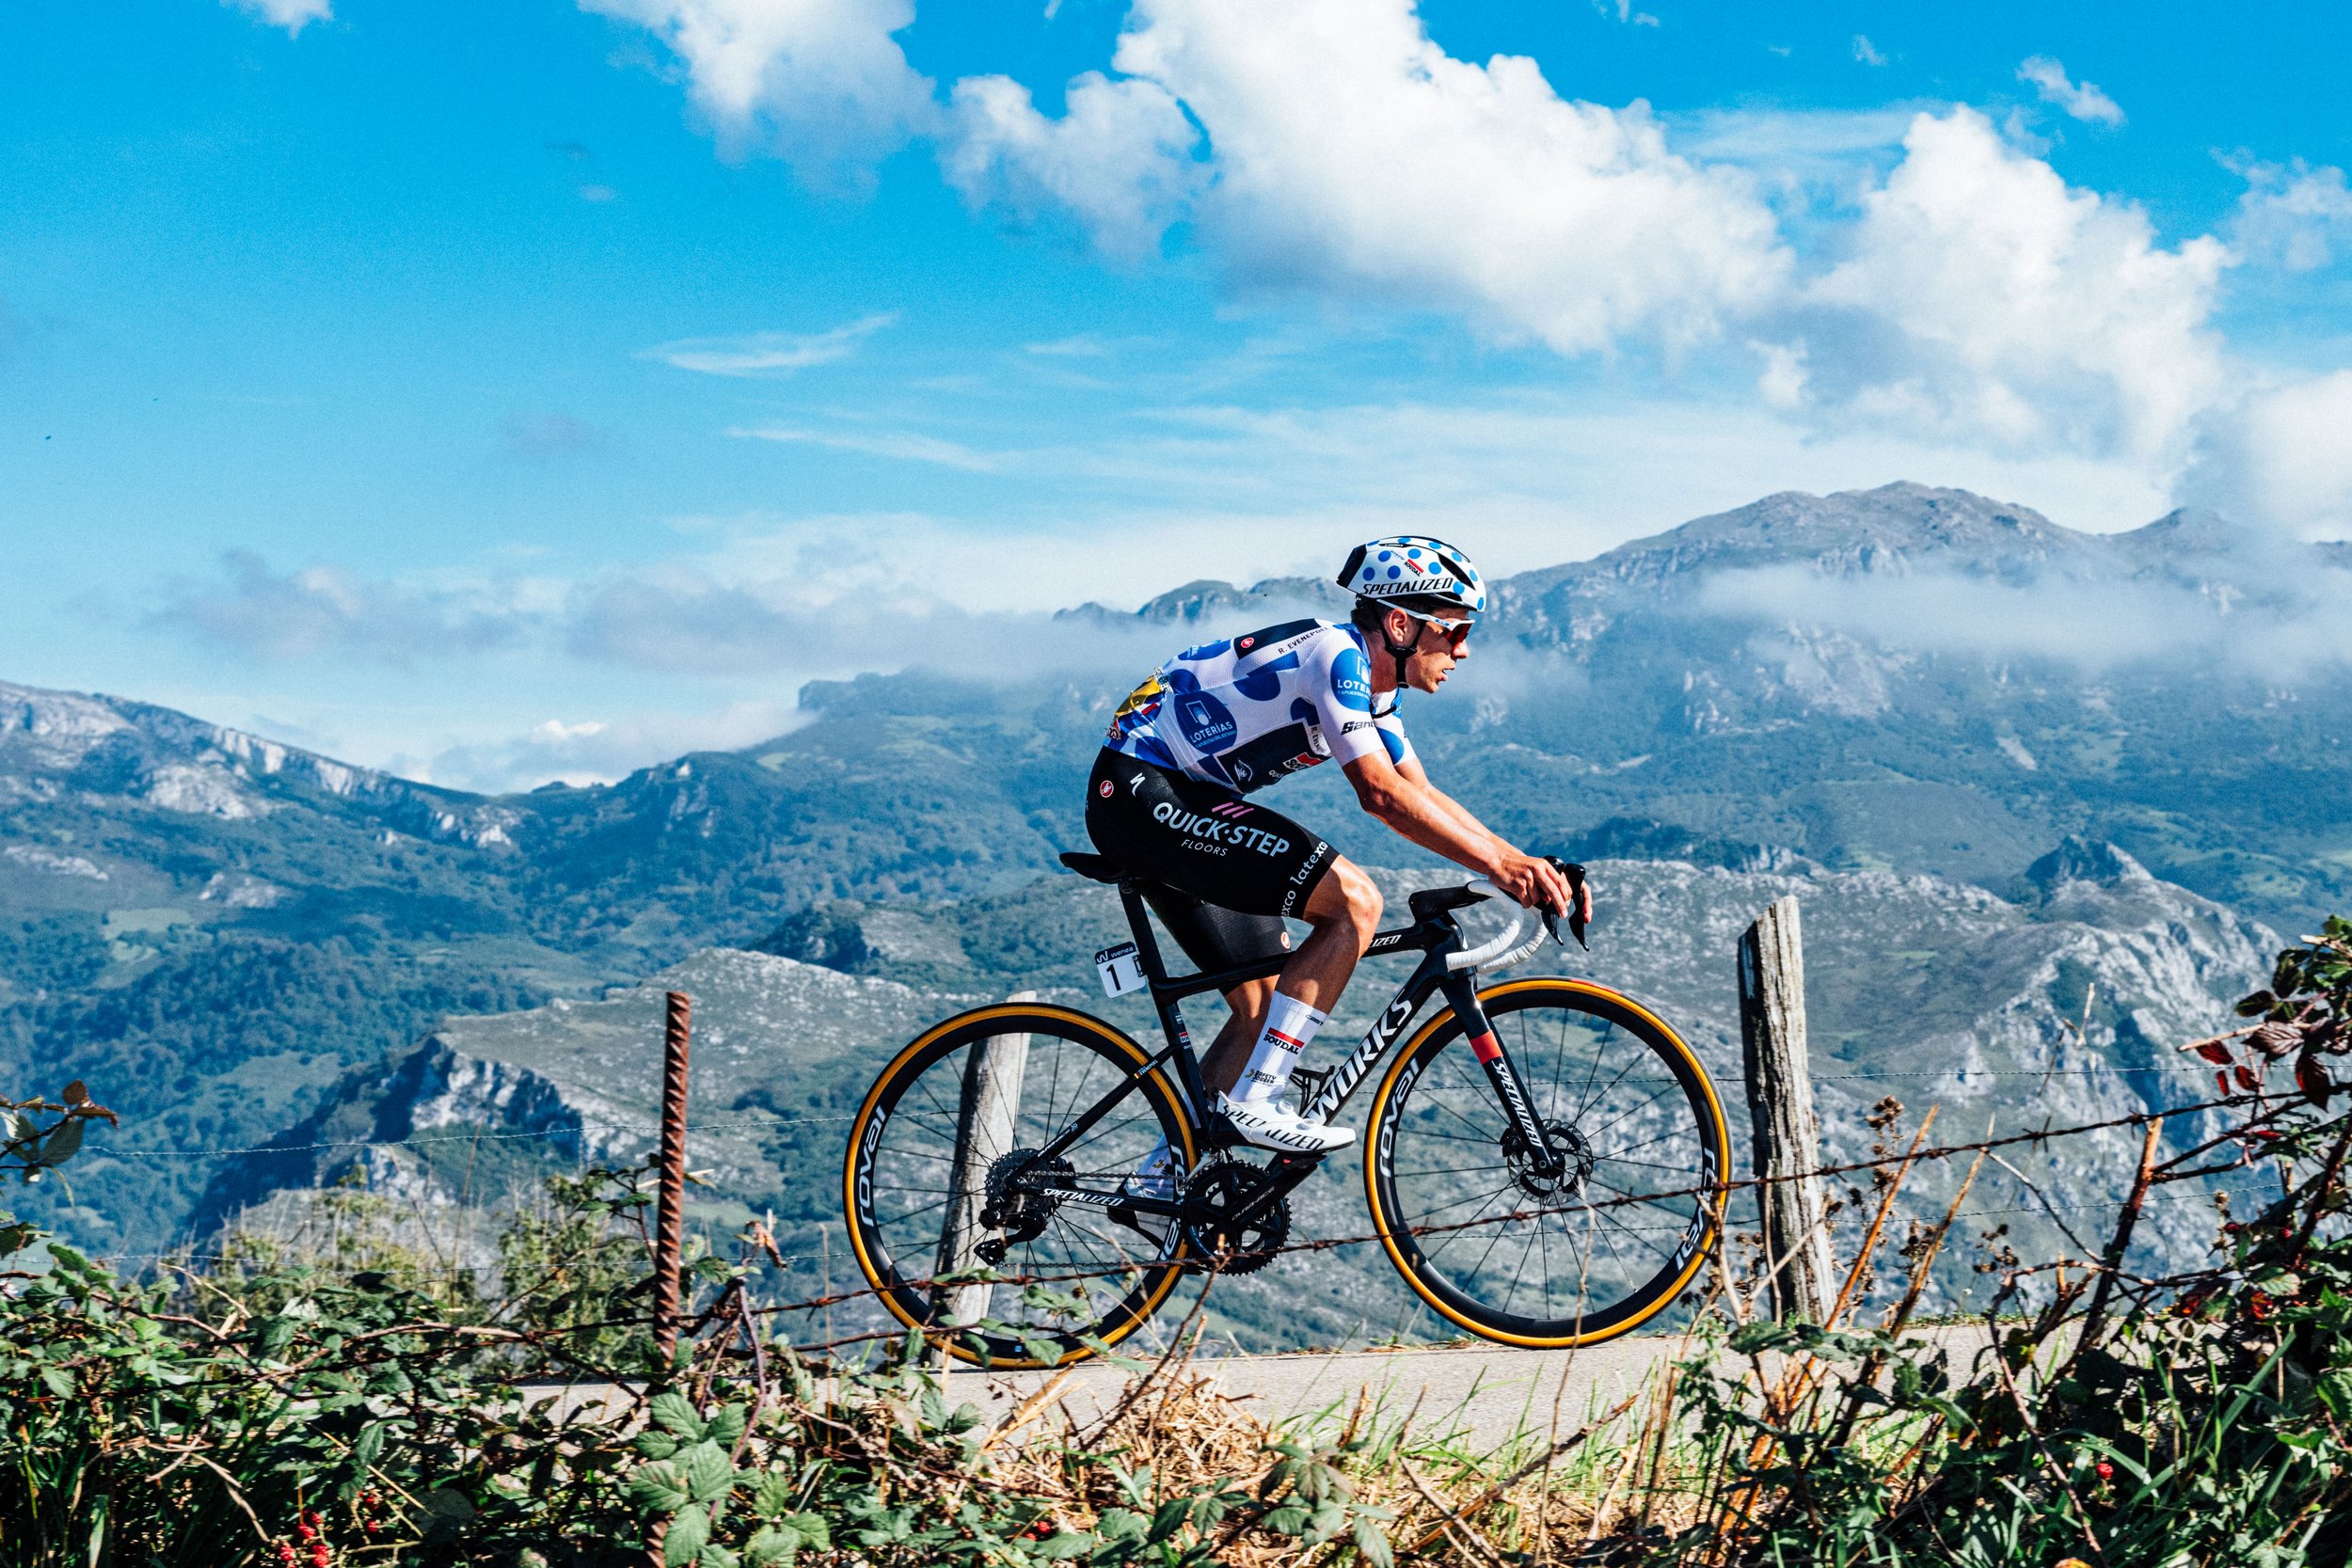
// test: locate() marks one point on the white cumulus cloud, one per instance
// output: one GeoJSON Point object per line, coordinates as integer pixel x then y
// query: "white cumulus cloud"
{"type": "Point", "coordinates": [2293, 216]}
{"type": "Point", "coordinates": [1120, 159]}
{"type": "Point", "coordinates": [2080, 100]}
{"type": "Point", "coordinates": [293, 15]}
{"type": "Point", "coordinates": [1982, 297]}
{"type": "Point", "coordinates": [1349, 153]}
{"type": "Point", "coordinates": [2282, 458]}
{"type": "Point", "coordinates": [823, 81]}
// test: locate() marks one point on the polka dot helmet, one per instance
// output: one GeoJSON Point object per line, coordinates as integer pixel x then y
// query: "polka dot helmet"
{"type": "Point", "coordinates": [1427, 576]}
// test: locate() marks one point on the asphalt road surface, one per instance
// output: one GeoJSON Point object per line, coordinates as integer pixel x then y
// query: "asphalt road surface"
{"type": "Point", "coordinates": [1482, 1394]}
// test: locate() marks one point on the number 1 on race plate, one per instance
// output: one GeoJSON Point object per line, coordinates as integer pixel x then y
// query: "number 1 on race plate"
{"type": "Point", "coordinates": [1123, 971]}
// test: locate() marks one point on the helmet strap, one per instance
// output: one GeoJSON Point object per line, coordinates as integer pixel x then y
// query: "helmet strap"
{"type": "Point", "coordinates": [1400, 653]}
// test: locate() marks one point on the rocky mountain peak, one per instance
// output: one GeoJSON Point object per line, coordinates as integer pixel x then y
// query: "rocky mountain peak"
{"type": "Point", "coordinates": [2080, 859]}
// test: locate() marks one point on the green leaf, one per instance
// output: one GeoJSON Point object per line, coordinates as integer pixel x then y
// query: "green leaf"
{"type": "Point", "coordinates": [655, 1489]}
{"type": "Point", "coordinates": [56, 1380]}
{"type": "Point", "coordinates": [716, 1557]}
{"type": "Point", "coordinates": [726, 1425]}
{"type": "Point", "coordinates": [674, 1414]}
{"type": "Point", "coordinates": [708, 1470]}
{"type": "Point", "coordinates": [1290, 1519]}
{"type": "Point", "coordinates": [61, 1143]}
{"type": "Point", "coordinates": [1120, 1524]}
{"type": "Point", "coordinates": [688, 1533]}
{"type": "Point", "coordinates": [370, 1444]}
{"type": "Point", "coordinates": [774, 1494]}
{"type": "Point", "coordinates": [812, 1529]}
{"type": "Point", "coordinates": [1061, 1544]}
{"type": "Point", "coordinates": [772, 1548]}
{"type": "Point", "coordinates": [1372, 1544]}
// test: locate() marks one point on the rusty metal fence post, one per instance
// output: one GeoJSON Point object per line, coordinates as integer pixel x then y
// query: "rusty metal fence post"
{"type": "Point", "coordinates": [668, 1235]}
{"type": "Point", "coordinates": [1780, 1105]}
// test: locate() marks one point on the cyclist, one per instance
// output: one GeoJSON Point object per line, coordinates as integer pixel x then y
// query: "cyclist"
{"type": "Point", "coordinates": [1169, 801]}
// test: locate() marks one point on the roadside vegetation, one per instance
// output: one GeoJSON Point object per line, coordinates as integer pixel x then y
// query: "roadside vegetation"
{"type": "Point", "coordinates": [348, 1403]}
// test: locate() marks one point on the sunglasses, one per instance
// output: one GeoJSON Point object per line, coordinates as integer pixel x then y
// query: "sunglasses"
{"type": "Point", "coordinates": [1456, 633]}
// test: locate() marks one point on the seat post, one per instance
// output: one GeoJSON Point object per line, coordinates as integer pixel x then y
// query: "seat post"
{"type": "Point", "coordinates": [1139, 922]}
{"type": "Point", "coordinates": [1172, 1018]}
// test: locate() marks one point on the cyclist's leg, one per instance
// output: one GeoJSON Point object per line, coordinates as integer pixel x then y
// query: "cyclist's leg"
{"type": "Point", "coordinates": [1228, 870]}
{"type": "Point", "coordinates": [1216, 938]}
{"type": "Point", "coordinates": [1345, 909]}
{"type": "Point", "coordinates": [1346, 914]}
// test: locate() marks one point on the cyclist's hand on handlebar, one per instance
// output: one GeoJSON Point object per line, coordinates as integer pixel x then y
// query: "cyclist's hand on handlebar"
{"type": "Point", "coordinates": [1537, 884]}
{"type": "Point", "coordinates": [1582, 914]}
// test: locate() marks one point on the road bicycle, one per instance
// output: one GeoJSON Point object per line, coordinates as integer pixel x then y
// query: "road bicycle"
{"type": "Point", "coordinates": [1544, 1158]}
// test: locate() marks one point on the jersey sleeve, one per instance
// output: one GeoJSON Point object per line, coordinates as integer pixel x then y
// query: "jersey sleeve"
{"type": "Point", "coordinates": [1390, 727]}
{"type": "Point", "coordinates": [1339, 685]}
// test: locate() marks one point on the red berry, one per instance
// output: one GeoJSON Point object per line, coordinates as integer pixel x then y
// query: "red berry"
{"type": "Point", "coordinates": [2107, 1472]}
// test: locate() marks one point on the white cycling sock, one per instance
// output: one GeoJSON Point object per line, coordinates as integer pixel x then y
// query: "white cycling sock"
{"type": "Point", "coordinates": [1290, 1024]}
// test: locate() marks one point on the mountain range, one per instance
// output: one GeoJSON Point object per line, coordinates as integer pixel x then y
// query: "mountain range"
{"type": "Point", "coordinates": [216, 930]}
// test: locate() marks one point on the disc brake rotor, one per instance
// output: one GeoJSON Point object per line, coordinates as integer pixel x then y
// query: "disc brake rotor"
{"type": "Point", "coordinates": [1571, 1161]}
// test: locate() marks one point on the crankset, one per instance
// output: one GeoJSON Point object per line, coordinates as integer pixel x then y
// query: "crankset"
{"type": "Point", "coordinates": [1013, 1207]}
{"type": "Point", "coordinates": [1237, 1216]}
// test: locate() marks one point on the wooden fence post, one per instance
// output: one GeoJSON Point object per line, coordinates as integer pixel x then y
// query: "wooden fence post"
{"type": "Point", "coordinates": [985, 1125]}
{"type": "Point", "coordinates": [669, 1233]}
{"type": "Point", "coordinates": [1780, 1103]}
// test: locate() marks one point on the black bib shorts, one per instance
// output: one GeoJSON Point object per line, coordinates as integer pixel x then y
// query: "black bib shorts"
{"type": "Point", "coordinates": [1226, 870]}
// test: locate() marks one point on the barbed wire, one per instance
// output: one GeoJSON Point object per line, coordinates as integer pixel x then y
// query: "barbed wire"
{"type": "Point", "coordinates": [648, 1130]}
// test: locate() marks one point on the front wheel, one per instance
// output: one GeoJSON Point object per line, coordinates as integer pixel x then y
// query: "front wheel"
{"type": "Point", "coordinates": [1571, 1247]}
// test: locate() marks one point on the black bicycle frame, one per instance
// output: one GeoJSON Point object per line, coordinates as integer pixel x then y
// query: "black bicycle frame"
{"type": "Point", "coordinates": [1434, 934]}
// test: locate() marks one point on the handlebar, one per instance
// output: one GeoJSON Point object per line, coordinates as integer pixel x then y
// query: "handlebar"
{"type": "Point", "coordinates": [1498, 952]}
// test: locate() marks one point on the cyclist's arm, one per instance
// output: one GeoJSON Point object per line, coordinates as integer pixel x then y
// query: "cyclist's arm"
{"type": "Point", "coordinates": [1415, 809]}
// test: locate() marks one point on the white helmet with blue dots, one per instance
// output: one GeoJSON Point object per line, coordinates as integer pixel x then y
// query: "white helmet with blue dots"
{"type": "Point", "coordinates": [1427, 576]}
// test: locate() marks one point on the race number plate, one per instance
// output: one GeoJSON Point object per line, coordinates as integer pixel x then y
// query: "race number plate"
{"type": "Point", "coordinates": [1123, 970]}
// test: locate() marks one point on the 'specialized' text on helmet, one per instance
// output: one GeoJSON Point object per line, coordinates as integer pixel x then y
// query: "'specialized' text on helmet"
{"type": "Point", "coordinates": [1427, 576]}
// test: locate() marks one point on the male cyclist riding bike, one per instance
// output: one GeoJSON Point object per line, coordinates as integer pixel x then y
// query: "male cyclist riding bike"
{"type": "Point", "coordinates": [1220, 721]}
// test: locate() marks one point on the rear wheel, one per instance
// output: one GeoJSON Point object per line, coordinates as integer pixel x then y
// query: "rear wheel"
{"type": "Point", "coordinates": [1572, 1249]}
{"type": "Point", "coordinates": [944, 1172]}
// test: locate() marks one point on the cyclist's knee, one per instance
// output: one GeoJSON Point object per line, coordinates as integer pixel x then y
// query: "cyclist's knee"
{"type": "Point", "coordinates": [1348, 894]}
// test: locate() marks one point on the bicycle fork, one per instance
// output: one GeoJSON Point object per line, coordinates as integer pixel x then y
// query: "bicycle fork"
{"type": "Point", "coordinates": [1461, 995]}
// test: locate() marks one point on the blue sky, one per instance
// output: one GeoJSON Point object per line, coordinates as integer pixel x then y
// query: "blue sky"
{"type": "Point", "coordinates": [503, 392]}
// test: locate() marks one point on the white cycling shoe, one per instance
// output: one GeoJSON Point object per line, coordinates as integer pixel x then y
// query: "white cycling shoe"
{"type": "Point", "coordinates": [1271, 1124]}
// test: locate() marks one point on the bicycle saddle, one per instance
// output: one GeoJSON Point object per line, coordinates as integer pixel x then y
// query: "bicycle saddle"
{"type": "Point", "coordinates": [1102, 868]}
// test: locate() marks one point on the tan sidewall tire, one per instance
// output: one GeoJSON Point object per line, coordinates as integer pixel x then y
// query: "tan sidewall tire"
{"type": "Point", "coordinates": [1158, 1085]}
{"type": "Point", "coordinates": [1714, 1127]}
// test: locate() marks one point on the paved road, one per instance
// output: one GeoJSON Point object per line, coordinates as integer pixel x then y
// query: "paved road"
{"type": "Point", "coordinates": [1482, 1393]}
{"type": "Point", "coordinates": [1479, 1394]}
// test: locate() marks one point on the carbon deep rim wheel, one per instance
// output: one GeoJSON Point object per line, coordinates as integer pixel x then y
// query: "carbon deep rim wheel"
{"type": "Point", "coordinates": [901, 1186]}
{"type": "Point", "coordinates": [1480, 1230]}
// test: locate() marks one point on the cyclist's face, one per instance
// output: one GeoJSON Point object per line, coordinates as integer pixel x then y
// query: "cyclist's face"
{"type": "Point", "coordinates": [1437, 647]}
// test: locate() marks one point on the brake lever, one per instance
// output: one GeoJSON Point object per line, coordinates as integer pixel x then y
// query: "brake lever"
{"type": "Point", "coordinates": [1575, 874]}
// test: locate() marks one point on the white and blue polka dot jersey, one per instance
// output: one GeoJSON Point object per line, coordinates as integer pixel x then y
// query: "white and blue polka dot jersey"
{"type": "Point", "coordinates": [1247, 711]}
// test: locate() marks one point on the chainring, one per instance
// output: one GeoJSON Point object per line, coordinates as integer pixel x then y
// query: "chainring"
{"type": "Point", "coordinates": [1019, 1213]}
{"type": "Point", "coordinates": [1218, 1190]}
